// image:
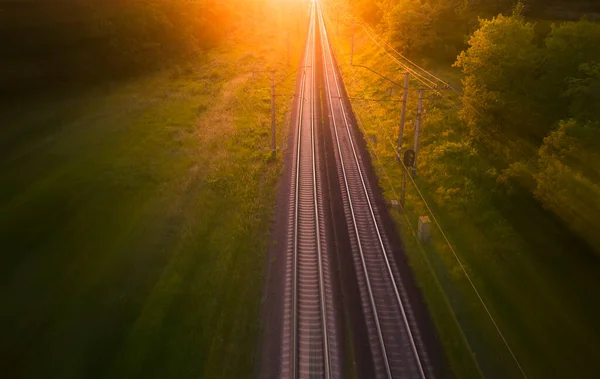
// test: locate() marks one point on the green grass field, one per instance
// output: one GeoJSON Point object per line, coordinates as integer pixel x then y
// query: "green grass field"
{"type": "Point", "coordinates": [135, 217]}
{"type": "Point", "coordinates": [535, 279]}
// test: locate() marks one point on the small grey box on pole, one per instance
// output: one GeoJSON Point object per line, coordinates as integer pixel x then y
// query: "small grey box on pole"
{"type": "Point", "coordinates": [424, 228]}
{"type": "Point", "coordinates": [417, 130]}
{"type": "Point", "coordinates": [402, 116]}
{"type": "Point", "coordinates": [273, 146]}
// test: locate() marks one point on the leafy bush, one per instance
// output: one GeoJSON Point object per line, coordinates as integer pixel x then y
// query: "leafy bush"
{"type": "Point", "coordinates": [568, 180]}
{"type": "Point", "coordinates": [501, 68]}
{"type": "Point", "coordinates": [568, 47]}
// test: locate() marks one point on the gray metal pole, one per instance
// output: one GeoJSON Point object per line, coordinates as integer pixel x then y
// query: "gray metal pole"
{"type": "Point", "coordinates": [402, 116]}
{"type": "Point", "coordinates": [352, 49]}
{"type": "Point", "coordinates": [417, 130]}
{"type": "Point", "coordinates": [273, 146]}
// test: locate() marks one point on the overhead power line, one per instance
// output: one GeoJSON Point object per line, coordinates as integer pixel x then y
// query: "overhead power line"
{"type": "Point", "coordinates": [425, 81]}
{"type": "Point", "coordinates": [379, 41]}
{"type": "Point", "coordinates": [389, 46]}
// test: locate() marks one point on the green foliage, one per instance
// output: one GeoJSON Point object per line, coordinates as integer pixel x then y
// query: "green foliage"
{"type": "Point", "coordinates": [434, 29]}
{"type": "Point", "coordinates": [451, 162]}
{"type": "Point", "coordinates": [561, 9]}
{"type": "Point", "coordinates": [515, 189]}
{"type": "Point", "coordinates": [409, 25]}
{"type": "Point", "coordinates": [485, 7]}
{"type": "Point", "coordinates": [515, 92]}
{"type": "Point", "coordinates": [568, 180]}
{"type": "Point", "coordinates": [135, 225]}
{"type": "Point", "coordinates": [135, 219]}
{"type": "Point", "coordinates": [72, 42]}
{"type": "Point", "coordinates": [584, 93]}
{"type": "Point", "coordinates": [498, 90]}
{"type": "Point", "coordinates": [421, 28]}
{"type": "Point", "coordinates": [568, 47]}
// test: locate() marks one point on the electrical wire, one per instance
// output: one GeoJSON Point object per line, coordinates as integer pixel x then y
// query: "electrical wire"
{"type": "Point", "coordinates": [428, 83]}
{"type": "Point", "coordinates": [446, 240]}
{"type": "Point", "coordinates": [371, 34]}
{"type": "Point", "coordinates": [446, 85]}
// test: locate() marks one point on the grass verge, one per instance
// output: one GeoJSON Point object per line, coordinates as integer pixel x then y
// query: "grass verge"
{"type": "Point", "coordinates": [135, 217]}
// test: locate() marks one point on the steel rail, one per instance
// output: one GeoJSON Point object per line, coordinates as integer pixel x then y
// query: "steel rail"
{"type": "Point", "coordinates": [298, 237]}
{"type": "Point", "coordinates": [319, 252]}
{"type": "Point", "coordinates": [326, 47]}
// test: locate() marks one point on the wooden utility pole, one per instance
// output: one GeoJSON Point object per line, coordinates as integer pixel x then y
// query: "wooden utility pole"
{"type": "Point", "coordinates": [408, 160]}
{"type": "Point", "coordinates": [417, 130]}
{"type": "Point", "coordinates": [402, 116]}
{"type": "Point", "coordinates": [273, 146]}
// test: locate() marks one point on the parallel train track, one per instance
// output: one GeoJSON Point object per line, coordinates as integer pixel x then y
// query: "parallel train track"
{"type": "Point", "coordinates": [394, 344]}
{"type": "Point", "coordinates": [310, 345]}
{"type": "Point", "coordinates": [310, 297]}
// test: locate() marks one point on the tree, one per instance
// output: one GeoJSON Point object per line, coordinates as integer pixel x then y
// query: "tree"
{"type": "Point", "coordinates": [409, 24]}
{"type": "Point", "coordinates": [584, 93]}
{"type": "Point", "coordinates": [571, 53]}
{"type": "Point", "coordinates": [569, 176]}
{"type": "Point", "coordinates": [435, 29]}
{"type": "Point", "coordinates": [368, 10]}
{"type": "Point", "coordinates": [501, 68]}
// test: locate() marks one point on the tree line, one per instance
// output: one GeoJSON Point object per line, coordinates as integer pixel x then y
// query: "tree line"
{"type": "Point", "coordinates": [49, 43]}
{"type": "Point", "coordinates": [530, 95]}
{"type": "Point", "coordinates": [540, 100]}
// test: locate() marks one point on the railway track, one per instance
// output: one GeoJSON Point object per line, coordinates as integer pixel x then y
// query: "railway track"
{"type": "Point", "coordinates": [394, 342]}
{"type": "Point", "coordinates": [309, 347]}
